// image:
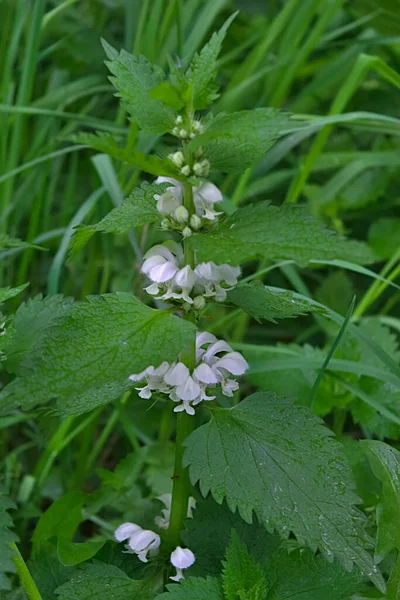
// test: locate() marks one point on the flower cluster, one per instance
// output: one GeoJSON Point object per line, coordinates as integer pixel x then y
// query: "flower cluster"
{"type": "Point", "coordinates": [172, 280]}
{"type": "Point", "coordinates": [187, 129]}
{"type": "Point", "coordinates": [170, 204]}
{"type": "Point", "coordinates": [216, 363]}
{"type": "Point", "coordinates": [143, 542]}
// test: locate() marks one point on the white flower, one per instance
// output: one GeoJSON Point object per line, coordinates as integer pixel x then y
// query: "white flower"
{"type": "Point", "coordinates": [205, 196]}
{"type": "Point", "coordinates": [181, 558]}
{"type": "Point", "coordinates": [166, 499]}
{"type": "Point", "coordinates": [140, 541]}
{"type": "Point", "coordinates": [154, 378]}
{"type": "Point", "coordinates": [161, 262]}
{"type": "Point", "coordinates": [210, 277]}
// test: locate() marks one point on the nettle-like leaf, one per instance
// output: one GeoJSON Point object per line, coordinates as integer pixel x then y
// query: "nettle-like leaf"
{"type": "Point", "coordinates": [299, 575]}
{"type": "Point", "coordinates": [203, 69]}
{"type": "Point", "coordinates": [89, 354]}
{"type": "Point", "coordinates": [265, 304]}
{"type": "Point", "coordinates": [233, 142]}
{"type": "Point", "coordinates": [208, 535]}
{"type": "Point", "coordinates": [6, 292]}
{"type": "Point", "coordinates": [275, 233]}
{"type": "Point", "coordinates": [98, 580]}
{"type": "Point", "coordinates": [381, 394]}
{"type": "Point", "coordinates": [106, 143]}
{"type": "Point", "coordinates": [138, 209]}
{"type": "Point", "coordinates": [9, 242]}
{"type": "Point", "coordinates": [30, 324]}
{"type": "Point", "coordinates": [275, 458]}
{"type": "Point", "coordinates": [134, 78]}
{"type": "Point", "coordinates": [195, 588]}
{"type": "Point", "coordinates": [6, 537]}
{"type": "Point", "coordinates": [385, 463]}
{"type": "Point", "coordinates": [243, 578]}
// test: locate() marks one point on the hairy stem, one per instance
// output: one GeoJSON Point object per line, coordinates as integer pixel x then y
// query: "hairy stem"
{"type": "Point", "coordinates": [24, 575]}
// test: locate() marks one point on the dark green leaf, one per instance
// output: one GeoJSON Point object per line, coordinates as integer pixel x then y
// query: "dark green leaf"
{"type": "Point", "coordinates": [263, 304]}
{"type": "Point", "coordinates": [275, 233]}
{"type": "Point", "coordinates": [233, 142]}
{"type": "Point", "coordinates": [71, 553]}
{"type": "Point", "coordinates": [203, 69]}
{"type": "Point", "coordinates": [9, 242]}
{"type": "Point", "coordinates": [134, 78]}
{"type": "Point", "coordinates": [384, 237]}
{"type": "Point", "coordinates": [168, 94]}
{"type": "Point", "coordinates": [90, 353]}
{"type": "Point", "coordinates": [6, 293]}
{"type": "Point", "coordinates": [105, 143]}
{"type": "Point", "coordinates": [275, 458]}
{"type": "Point", "coordinates": [243, 578]}
{"type": "Point", "coordinates": [138, 209]}
{"type": "Point", "coordinates": [385, 463]}
{"type": "Point", "coordinates": [61, 519]}
{"type": "Point", "coordinates": [6, 537]}
{"type": "Point", "coordinates": [194, 589]}
{"type": "Point", "coordinates": [49, 574]}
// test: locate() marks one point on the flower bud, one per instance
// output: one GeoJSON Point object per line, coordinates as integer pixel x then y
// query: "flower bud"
{"type": "Point", "coordinates": [199, 302]}
{"type": "Point", "coordinates": [183, 133]}
{"type": "Point", "coordinates": [197, 127]}
{"type": "Point", "coordinates": [195, 222]}
{"type": "Point", "coordinates": [179, 120]}
{"type": "Point", "coordinates": [178, 159]}
{"type": "Point", "coordinates": [187, 232]}
{"type": "Point", "coordinates": [165, 224]}
{"type": "Point", "coordinates": [175, 131]}
{"type": "Point", "coordinates": [181, 215]}
{"type": "Point", "coordinates": [185, 170]}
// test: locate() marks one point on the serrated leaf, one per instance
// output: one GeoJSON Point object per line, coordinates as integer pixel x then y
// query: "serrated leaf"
{"type": "Point", "coordinates": [138, 209]}
{"type": "Point", "coordinates": [134, 78]}
{"type": "Point", "coordinates": [89, 354]}
{"type": "Point", "coordinates": [105, 143]}
{"type": "Point", "coordinates": [264, 304]}
{"type": "Point", "coordinates": [302, 576]}
{"type": "Point", "coordinates": [382, 394]}
{"type": "Point", "coordinates": [168, 94]}
{"type": "Point", "coordinates": [6, 293]}
{"type": "Point", "coordinates": [48, 573]}
{"type": "Point", "coordinates": [275, 458]}
{"type": "Point", "coordinates": [194, 588]}
{"type": "Point", "coordinates": [208, 535]}
{"type": "Point", "coordinates": [233, 142]}
{"type": "Point", "coordinates": [7, 566]}
{"type": "Point", "coordinates": [385, 463]}
{"type": "Point", "coordinates": [9, 242]}
{"type": "Point", "coordinates": [30, 325]}
{"type": "Point", "coordinates": [242, 577]}
{"type": "Point", "coordinates": [275, 233]}
{"type": "Point", "coordinates": [203, 69]}
{"type": "Point", "coordinates": [94, 581]}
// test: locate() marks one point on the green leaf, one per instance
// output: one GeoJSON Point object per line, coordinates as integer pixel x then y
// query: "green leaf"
{"type": "Point", "coordinates": [6, 538]}
{"type": "Point", "coordinates": [49, 573]}
{"type": "Point", "coordinates": [9, 242]}
{"type": "Point", "coordinates": [371, 418]}
{"type": "Point", "coordinates": [61, 519]}
{"type": "Point", "coordinates": [89, 354]}
{"type": "Point", "coordinates": [168, 94]}
{"type": "Point", "coordinates": [194, 588]}
{"type": "Point", "coordinates": [6, 293]}
{"type": "Point", "coordinates": [30, 324]}
{"type": "Point", "coordinates": [208, 536]}
{"type": "Point", "coordinates": [233, 142]}
{"type": "Point", "coordinates": [134, 78]}
{"type": "Point", "coordinates": [71, 554]}
{"type": "Point", "coordinates": [203, 69]}
{"type": "Point", "coordinates": [94, 581]}
{"type": "Point", "coordinates": [263, 304]}
{"type": "Point", "coordinates": [105, 143]}
{"type": "Point", "coordinates": [302, 576]}
{"type": "Point", "coordinates": [275, 233]}
{"type": "Point", "coordinates": [138, 209]}
{"type": "Point", "coordinates": [385, 463]}
{"type": "Point", "coordinates": [243, 578]}
{"type": "Point", "coordinates": [275, 458]}
{"type": "Point", "coordinates": [384, 237]}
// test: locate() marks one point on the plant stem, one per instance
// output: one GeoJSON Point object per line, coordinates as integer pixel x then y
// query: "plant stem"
{"type": "Point", "coordinates": [185, 423]}
{"type": "Point", "coordinates": [24, 575]}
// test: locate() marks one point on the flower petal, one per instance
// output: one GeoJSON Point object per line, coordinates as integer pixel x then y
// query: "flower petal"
{"type": "Point", "coordinates": [163, 272]}
{"type": "Point", "coordinates": [220, 346]}
{"type": "Point", "coordinates": [182, 558]}
{"type": "Point", "coordinates": [209, 193]}
{"type": "Point", "coordinates": [177, 375]}
{"type": "Point", "coordinates": [232, 362]}
{"type": "Point", "coordinates": [204, 338]}
{"type": "Point", "coordinates": [205, 374]}
{"type": "Point", "coordinates": [125, 531]}
{"type": "Point", "coordinates": [144, 539]}
{"type": "Point", "coordinates": [189, 390]}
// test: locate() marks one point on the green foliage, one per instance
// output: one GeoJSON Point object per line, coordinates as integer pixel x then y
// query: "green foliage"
{"type": "Point", "coordinates": [92, 581]}
{"type": "Point", "coordinates": [91, 351]}
{"type": "Point", "coordinates": [194, 588]}
{"type": "Point", "coordinates": [243, 578]}
{"type": "Point", "coordinates": [289, 471]}
{"type": "Point", "coordinates": [233, 142]}
{"type": "Point", "coordinates": [385, 463]}
{"type": "Point", "coordinates": [30, 325]}
{"type": "Point", "coordinates": [9, 242]}
{"type": "Point", "coordinates": [138, 209]}
{"type": "Point", "coordinates": [264, 304]}
{"type": "Point", "coordinates": [275, 233]}
{"type": "Point", "coordinates": [300, 575]}
{"type": "Point", "coordinates": [384, 237]}
{"type": "Point", "coordinates": [105, 143]}
{"type": "Point", "coordinates": [203, 70]}
{"type": "Point", "coordinates": [6, 293]}
{"type": "Point", "coordinates": [6, 537]}
{"type": "Point", "coordinates": [134, 78]}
